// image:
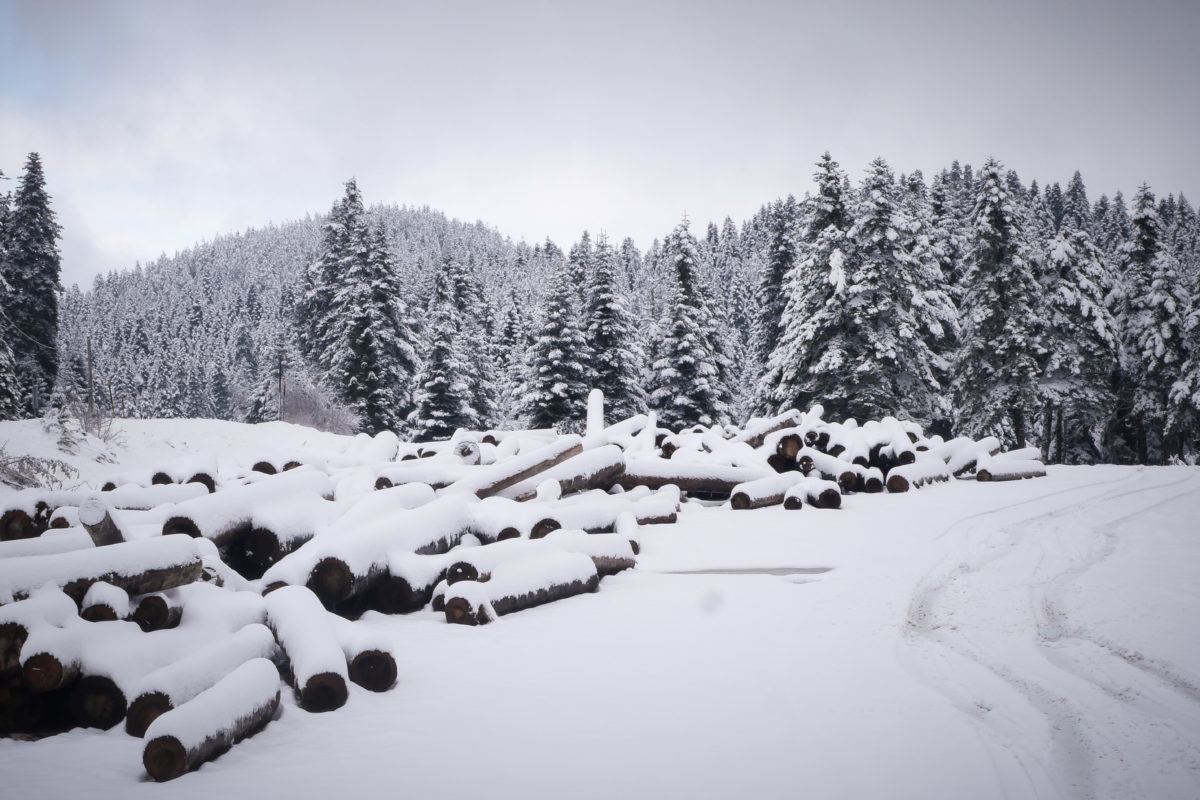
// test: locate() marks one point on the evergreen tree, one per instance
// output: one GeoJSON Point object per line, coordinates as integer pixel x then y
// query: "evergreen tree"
{"type": "Point", "coordinates": [779, 260]}
{"type": "Point", "coordinates": [31, 268]}
{"type": "Point", "coordinates": [10, 387]}
{"type": "Point", "coordinates": [557, 384]}
{"type": "Point", "coordinates": [687, 385]}
{"type": "Point", "coordinates": [1080, 339]}
{"type": "Point", "coordinates": [615, 363]}
{"type": "Point", "coordinates": [996, 371]}
{"type": "Point", "coordinates": [370, 354]}
{"type": "Point", "coordinates": [807, 366]}
{"type": "Point", "coordinates": [442, 388]}
{"type": "Point", "coordinates": [1151, 303]}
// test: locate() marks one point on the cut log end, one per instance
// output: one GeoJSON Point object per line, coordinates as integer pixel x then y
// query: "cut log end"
{"type": "Point", "coordinates": [393, 594]}
{"type": "Point", "coordinates": [43, 672]}
{"type": "Point", "coordinates": [740, 501]}
{"type": "Point", "coordinates": [99, 613]}
{"type": "Point", "coordinates": [508, 533]}
{"type": "Point", "coordinates": [460, 612]}
{"type": "Point", "coordinates": [331, 580]}
{"type": "Point", "coordinates": [461, 571]}
{"type": "Point", "coordinates": [205, 480]}
{"type": "Point", "coordinates": [382, 483]}
{"type": "Point", "coordinates": [829, 498]}
{"type": "Point", "coordinates": [543, 527]}
{"type": "Point", "coordinates": [161, 479]}
{"type": "Point", "coordinates": [165, 758]}
{"type": "Point", "coordinates": [181, 525]}
{"type": "Point", "coordinates": [144, 710]}
{"type": "Point", "coordinates": [897, 484]}
{"type": "Point", "coordinates": [97, 702]}
{"type": "Point", "coordinates": [16, 524]}
{"type": "Point", "coordinates": [793, 503]}
{"type": "Point", "coordinates": [154, 613]}
{"type": "Point", "coordinates": [374, 670]}
{"type": "Point", "coordinates": [265, 467]}
{"type": "Point", "coordinates": [325, 691]}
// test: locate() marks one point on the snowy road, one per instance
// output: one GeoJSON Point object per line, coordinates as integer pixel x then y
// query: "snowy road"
{"type": "Point", "coordinates": [1031, 639]}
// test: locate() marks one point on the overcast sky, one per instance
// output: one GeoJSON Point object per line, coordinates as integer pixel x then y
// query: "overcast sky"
{"type": "Point", "coordinates": [163, 123]}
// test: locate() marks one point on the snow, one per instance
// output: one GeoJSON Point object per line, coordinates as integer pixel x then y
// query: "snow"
{"type": "Point", "coordinates": [525, 575]}
{"type": "Point", "coordinates": [250, 686]}
{"type": "Point", "coordinates": [971, 640]}
{"type": "Point", "coordinates": [105, 594]}
{"type": "Point", "coordinates": [55, 540]}
{"type": "Point", "coordinates": [182, 680]}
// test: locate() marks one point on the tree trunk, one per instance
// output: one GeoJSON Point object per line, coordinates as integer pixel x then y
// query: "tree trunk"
{"type": "Point", "coordinates": [1018, 420]}
{"type": "Point", "coordinates": [97, 520]}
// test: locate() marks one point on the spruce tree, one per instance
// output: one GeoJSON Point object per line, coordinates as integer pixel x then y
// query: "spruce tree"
{"type": "Point", "coordinates": [997, 371]}
{"type": "Point", "coordinates": [557, 384]}
{"type": "Point", "coordinates": [615, 363]}
{"type": "Point", "coordinates": [10, 387]}
{"type": "Point", "coordinates": [1080, 338]}
{"type": "Point", "coordinates": [808, 364]}
{"type": "Point", "coordinates": [31, 268]}
{"type": "Point", "coordinates": [371, 358]}
{"type": "Point", "coordinates": [779, 260]}
{"type": "Point", "coordinates": [688, 383]}
{"type": "Point", "coordinates": [442, 388]}
{"type": "Point", "coordinates": [1151, 302]}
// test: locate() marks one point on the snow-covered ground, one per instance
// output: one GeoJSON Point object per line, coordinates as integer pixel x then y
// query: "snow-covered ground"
{"type": "Point", "coordinates": [1027, 639]}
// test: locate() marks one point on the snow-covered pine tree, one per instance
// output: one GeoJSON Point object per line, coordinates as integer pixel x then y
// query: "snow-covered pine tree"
{"type": "Point", "coordinates": [1080, 339]}
{"type": "Point", "coordinates": [808, 364]}
{"type": "Point", "coordinates": [778, 261]}
{"type": "Point", "coordinates": [369, 347]}
{"type": "Point", "coordinates": [10, 387]}
{"type": "Point", "coordinates": [895, 307]}
{"type": "Point", "coordinates": [615, 361]}
{"type": "Point", "coordinates": [557, 383]}
{"type": "Point", "coordinates": [580, 261]}
{"type": "Point", "coordinates": [687, 379]}
{"type": "Point", "coordinates": [31, 267]}
{"type": "Point", "coordinates": [996, 371]}
{"type": "Point", "coordinates": [443, 387]}
{"type": "Point", "coordinates": [1152, 303]}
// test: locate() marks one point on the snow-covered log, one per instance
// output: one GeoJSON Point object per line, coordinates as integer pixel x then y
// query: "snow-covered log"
{"type": "Point", "coordinates": [623, 434]}
{"type": "Point", "coordinates": [598, 512]}
{"type": "Point", "coordinates": [104, 602]}
{"type": "Point", "coordinates": [436, 472]}
{"type": "Point", "coordinates": [815, 492]}
{"type": "Point", "coordinates": [521, 584]}
{"type": "Point", "coordinates": [610, 552]}
{"type": "Point", "coordinates": [492, 479]}
{"type": "Point", "coordinates": [101, 522]}
{"type": "Point", "coordinates": [48, 607]}
{"type": "Point", "coordinates": [767, 491]}
{"type": "Point", "coordinates": [920, 473]}
{"type": "Point", "coordinates": [345, 561]}
{"type": "Point", "coordinates": [1023, 454]}
{"type": "Point", "coordinates": [226, 516]}
{"type": "Point", "coordinates": [132, 497]}
{"type": "Point", "coordinates": [235, 707]}
{"type": "Point", "coordinates": [711, 480]}
{"type": "Point", "coordinates": [962, 454]}
{"type": "Point", "coordinates": [592, 469]}
{"type": "Point", "coordinates": [57, 540]}
{"type": "Point", "coordinates": [830, 468]}
{"type": "Point", "coordinates": [305, 631]}
{"type": "Point", "coordinates": [177, 683]}
{"type": "Point", "coordinates": [754, 434]}
{"type": "Point", "coordinates": [278, 528]}
{"type": "Point", "coordinates": [1009, 469]}
{"type": "Point", "coordinates": [137, 567]}
{"type": "Point", "coordinates": [369, 659]}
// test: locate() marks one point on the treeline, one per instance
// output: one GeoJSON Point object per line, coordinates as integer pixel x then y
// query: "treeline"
{"type": "Point", "coordinates": [969, 302]}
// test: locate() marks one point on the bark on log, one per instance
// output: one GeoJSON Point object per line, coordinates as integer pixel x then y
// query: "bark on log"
{"type": "Point", "coordinates": [593, 469]}
{"type": "Point", "coordinates": [236, 707]}
{"type": "Point", "coordinates": [755, 435]}
{"type": "Point", "coordinates": [519, 585]}
{"type": "Point", "coordinates": [98, 521]}
{"type": "Point", "coordinates": [494, 478]}
{"type": "Point", "coordinates": [140, 567]}
{"type": "Point", "coordinates": [814, 492]}
{"type": "Point", "coordinates": [763, 492]}
{"type": "Point", "coordinates": [712, 480]}
{"type": "Point", "coordinates": [1000, 470]}
{"type": "Point", "coordinates": [97, 702]}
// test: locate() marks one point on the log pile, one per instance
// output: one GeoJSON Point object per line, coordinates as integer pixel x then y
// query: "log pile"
{"type": "Point", "coordinates": [180, 600]}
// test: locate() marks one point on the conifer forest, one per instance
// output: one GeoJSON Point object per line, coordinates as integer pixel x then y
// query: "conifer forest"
{"type": "Point", "coordinates": [970, 301]}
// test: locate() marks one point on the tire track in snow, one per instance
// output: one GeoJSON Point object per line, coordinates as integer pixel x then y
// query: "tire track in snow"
{"type": "Point", "coordinates": [958, 666]}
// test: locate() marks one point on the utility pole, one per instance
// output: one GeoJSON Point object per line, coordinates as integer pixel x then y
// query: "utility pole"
{"type": "Point", "coordinates": [91, 389]}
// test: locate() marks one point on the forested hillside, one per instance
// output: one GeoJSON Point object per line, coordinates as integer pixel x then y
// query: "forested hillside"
{"type": "Point", "coordinates": [970, 301]}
